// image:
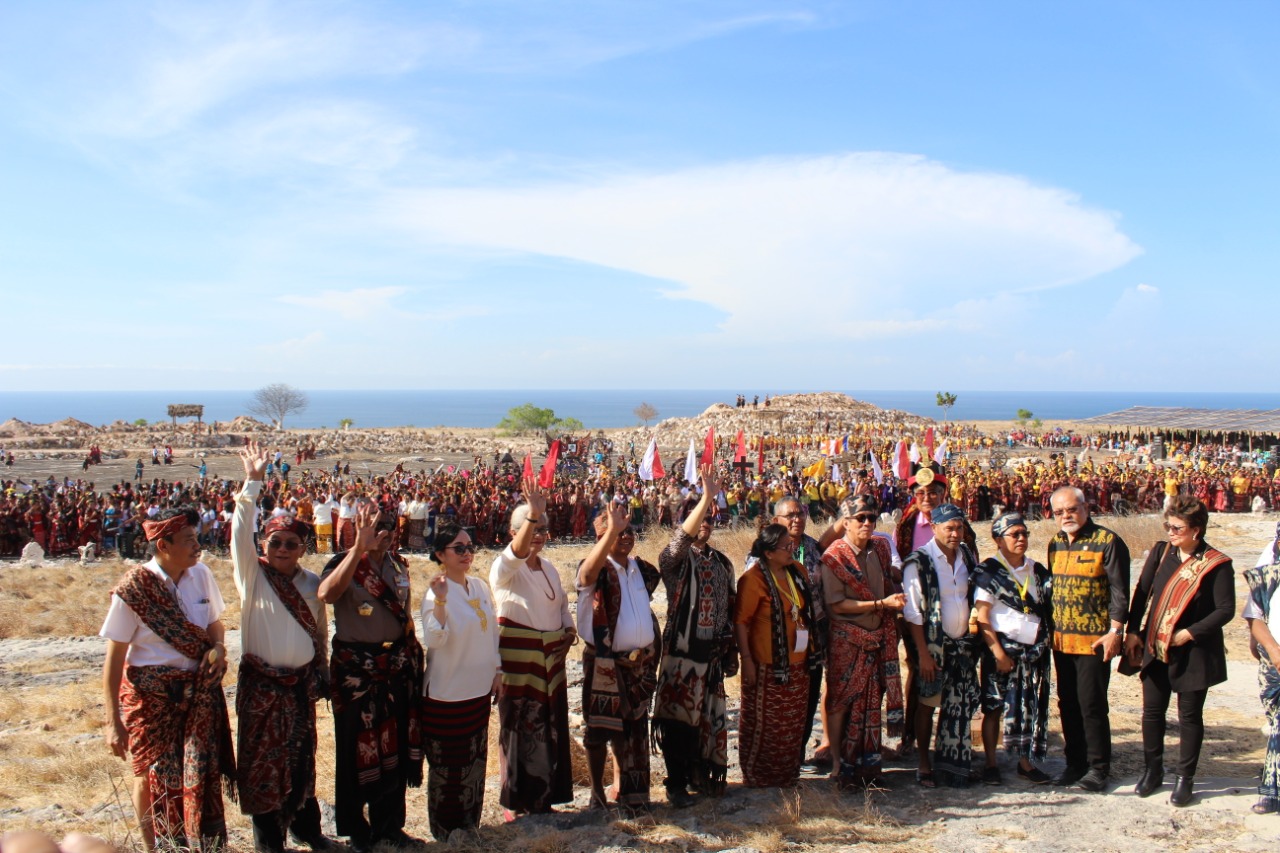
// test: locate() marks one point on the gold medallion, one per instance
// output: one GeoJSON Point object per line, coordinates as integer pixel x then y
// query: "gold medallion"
{"type": "Point", "coordinates": [924, 476]}
{"type": "Point", "coordinates": [365, 609]}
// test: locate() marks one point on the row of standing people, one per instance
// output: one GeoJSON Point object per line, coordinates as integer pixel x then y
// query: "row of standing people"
{"type": "Point", "coordinates": [395, 704]}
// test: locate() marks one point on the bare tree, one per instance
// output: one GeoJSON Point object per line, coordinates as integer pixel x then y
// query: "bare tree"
{"type": "Point", "coordinates": [645, 412]}
{"type": "Point", "coordinates": [277, 401]}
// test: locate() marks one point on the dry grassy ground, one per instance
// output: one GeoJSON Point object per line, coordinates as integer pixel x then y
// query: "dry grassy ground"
{"type": "Point", "coordinates": [55, 772]}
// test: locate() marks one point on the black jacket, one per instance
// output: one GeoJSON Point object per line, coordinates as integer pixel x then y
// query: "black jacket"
{"type": "Point", "coordinates": [1201, 663]}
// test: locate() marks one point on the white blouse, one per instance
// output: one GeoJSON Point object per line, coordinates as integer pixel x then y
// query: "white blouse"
{"type": "Point", "coordinates": [462, 654]}
{"type": "Point", "coordinates": [532, 598]}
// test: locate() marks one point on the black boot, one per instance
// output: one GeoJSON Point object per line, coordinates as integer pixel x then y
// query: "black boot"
{"type": "Point", "coordinates": [267, 837]}
{"type": "Point", "coordinates": [1151, 781]}
{"type": "Point", "coordinates": [1182, 791]}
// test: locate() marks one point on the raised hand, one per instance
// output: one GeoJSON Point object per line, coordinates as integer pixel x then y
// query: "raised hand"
{"type": "Point", "coordinates": [535, 495]}
{"type": "Point", "coordinates": [439, 588]}
{"type": "Point", "coordinates": [710, 480]}
{"type": "Point", "coordinates": [254, 459]}
{"type": "Point", "coordinates": [367, 527]}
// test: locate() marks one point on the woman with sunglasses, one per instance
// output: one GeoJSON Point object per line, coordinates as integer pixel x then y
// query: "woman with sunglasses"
{"type": "Point", "coordinates": [1179, 649]}
{"type": "Point", "coordinates": [535, 632]}
{"type": "Point", "coordinates": [863, 599]}
{"type": "Point", "coordinates": [463, 674]}
{"type": "Point", "coordinates": [1012, 596]}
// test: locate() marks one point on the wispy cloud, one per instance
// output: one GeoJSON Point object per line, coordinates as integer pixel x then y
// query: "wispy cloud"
{"type": "Point", "coordinates": [874, 243]}
{"type": "Point", "coordinates": [346, 304]}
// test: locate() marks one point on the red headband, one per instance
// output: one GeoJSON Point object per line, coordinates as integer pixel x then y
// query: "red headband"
{"type": "Point", "coordinates": [287, 523]}
{"type": "Point", "coordinates": [162, 529]}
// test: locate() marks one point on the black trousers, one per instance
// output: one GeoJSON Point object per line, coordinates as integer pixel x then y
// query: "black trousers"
{"type": "Point", "coordinates": [268, 836]}
{"type": "Point", "coordinates": [1155, 702]}
{"type": "Point", "coordinates": [1085, 713]}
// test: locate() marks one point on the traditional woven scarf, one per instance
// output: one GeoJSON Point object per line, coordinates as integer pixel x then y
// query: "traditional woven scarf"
{"type": "Point", "coordinates": [298, 609]}
{"type": "Point", "coordinates": [1177, 594]}
{"type": "Point", "coordinates": [842, 560]}
{"type": "Point", "coordinates": [778, 618]}
{"type": "Point", "coordinates": [158, 607]}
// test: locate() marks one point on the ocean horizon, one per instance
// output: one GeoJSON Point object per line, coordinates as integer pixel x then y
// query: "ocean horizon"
{"type": "Point", "coordinates": [597, 409]}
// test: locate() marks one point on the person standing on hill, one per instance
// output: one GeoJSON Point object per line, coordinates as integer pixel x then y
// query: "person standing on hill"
{"type": "Point", "coordinates": [690, 719]}
{"type": "Point", "coordinates": [283, 671]}
{"type": "Point", "coordinates": [1090, 566]}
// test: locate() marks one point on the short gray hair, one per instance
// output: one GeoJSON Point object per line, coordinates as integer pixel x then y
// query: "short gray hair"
{"type": "Point", "coordinates": [783, 501]}
{"type": "Point", "coordinates": [1079, 496]}
{"type": "Point", "coordinates": [518, 516]}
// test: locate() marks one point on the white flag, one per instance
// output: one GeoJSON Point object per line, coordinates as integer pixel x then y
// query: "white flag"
{"type": "Point", "coordinates": [835, 473]}
{"type": "Point", "coordinates": [646, 464]}
{"type": "Point", "coordinates": [914, 455]}
{"type": "Point", "coordinates": [940, 454]}
{"type": "Point", "coordinates": [691, 464]}
{"type": "Point", "coordinates": [876, 469]}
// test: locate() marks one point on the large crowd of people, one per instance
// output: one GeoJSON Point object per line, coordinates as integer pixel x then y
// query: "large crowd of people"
{"type": "Point", "coordinates": [813, 625]}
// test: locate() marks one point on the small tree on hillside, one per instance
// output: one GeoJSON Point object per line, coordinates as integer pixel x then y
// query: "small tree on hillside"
{"type": "Point", "coordinates": [277, 401]}
{"type": "Point", "coordinates": [945, 401]}
{"type": "Point", "coordinates": [1023, 416]}
{"type": "Point", "coordinates": [645, 412]}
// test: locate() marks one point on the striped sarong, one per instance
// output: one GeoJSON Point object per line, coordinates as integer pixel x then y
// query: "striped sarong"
{"type": "Point", "coordinates": [533, 712]}
{"type": "Point", "coordinates": [457, 748]}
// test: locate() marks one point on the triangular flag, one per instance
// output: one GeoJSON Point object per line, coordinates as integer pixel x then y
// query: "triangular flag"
{"type": "Point", "coordinates": [740, 449]}
{"type": "Point", "coordinates": [651, 464]}
{"type": "Point", "coordinates": [928, 442]}
{"type": "Point", "coordinates": [940, 455]}
{"type": "Point", "coordinates": [528, 466]}
{"type": "Point", "coordinates": [876, 470]}
{"type": "Point", "coordinates": [690, 464]}
{"type": "Point", "coordinates": [547, 477]}
{"type": "Point", "coordinates": [709, 448]}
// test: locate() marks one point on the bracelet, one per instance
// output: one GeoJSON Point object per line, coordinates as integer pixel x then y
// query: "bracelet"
{"type": "Point", "coordinates": [442, 601]}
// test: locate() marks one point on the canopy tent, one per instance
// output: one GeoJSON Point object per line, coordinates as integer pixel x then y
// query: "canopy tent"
{"type": "Point", "coordinates": [1202, 420]}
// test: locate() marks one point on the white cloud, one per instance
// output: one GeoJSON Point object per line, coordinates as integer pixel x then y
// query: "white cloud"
{"type": "Point", "coordinates": [1148, 288]}
{"type": "Point", "coordinates": [347, 304]}
{"type": "Point", "coordinates": [869, 244]}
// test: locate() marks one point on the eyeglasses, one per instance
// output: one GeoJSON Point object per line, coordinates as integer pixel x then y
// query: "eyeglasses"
{"type": "Point", "coordinates": [792, 516]}
{"type": "Point", "coordinates": [1175, 528]}
{"type": "Point", "coordinates": [284, 544]}
{"type": "Point", "coordinates": [460, 548]}
{"type": "Point", "coordinates": [1066, 510]}
{"type": "Point", "coordinates": [1019, 534]}
{"type": "Point", "coordinates": [865, 519]}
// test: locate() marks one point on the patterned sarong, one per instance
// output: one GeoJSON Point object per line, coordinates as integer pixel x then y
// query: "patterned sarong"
{"type": "Point", "coordinates": [374, 690]}
{"type": "Point", "coordinates": [180, 740]}
{"type": "Point", "coordinates": [630, 736]}
{"type": "Point", "coordinates": [534, 712]}
{"type": "Point", "coordinates": [953, 748]}
{"type": "Point", "coordinates": [1263, 583]}
{"type": "Point", "coordinates": [276, 738]}
{"type": "Point", "coordinates": [457, 747]}
{"type": "Point", "coordinates": [771, 728]}
{"type": "Point", "coordinates": [179, 731]}
{"type": "Point", "coordinates": [862, 669]}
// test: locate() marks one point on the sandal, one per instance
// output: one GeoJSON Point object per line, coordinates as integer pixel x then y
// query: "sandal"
{"type": "Point", "coordinates": [924, 778]}
{"type": "Point", "coordinates": [1265, 807]}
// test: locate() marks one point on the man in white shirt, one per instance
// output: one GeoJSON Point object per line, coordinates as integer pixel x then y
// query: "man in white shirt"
{"type": "Point", "coordinates": [165, 639]}
{"type": "Point", "coordinates": [1262, 612]}
{"type": "Point", "coordinates": [324, 512]}
{"type": "Point", "coordinates": [282, 671]}
{"type": "Point", "coordinates": [939, 601]}
{"type": "Point", "coordinates": [621, 658]}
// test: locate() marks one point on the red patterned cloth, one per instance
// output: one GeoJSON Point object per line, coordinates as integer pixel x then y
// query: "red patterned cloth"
{"type": "Point", "coordinates": [771, 728]}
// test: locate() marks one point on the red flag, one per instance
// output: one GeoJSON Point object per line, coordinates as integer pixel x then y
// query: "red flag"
{"type": "Point", "coordinates": [709, 448]}
{"type": "Point", "coordinates": [740, 451]}
{"type": "Point", "coordinates": [547, 477]}
{"type": "Point", "coordinates": [928, 442]}
{"type": "Point", "coordinates": [528, 465]}
{"type": "Point", "coordinates": [760, 459]}
{"type": "Point", "coordinates": [902, 466]}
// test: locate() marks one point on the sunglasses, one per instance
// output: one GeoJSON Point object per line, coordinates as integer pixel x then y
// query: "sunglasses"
{"type": "Point", "coordinates": [865, 519]}
{"type": "Point", "coordinates": [460, 548]}
{"type": "Point", "coordinates": [1175, 528]}
{"type": "Point", "coordinates": [284, 544]}
{"type": "Point", "coordinates": [1019, 534]}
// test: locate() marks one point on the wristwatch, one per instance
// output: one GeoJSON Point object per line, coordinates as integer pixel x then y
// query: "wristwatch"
{"type": "Point", "coordinates": [1116, 631]}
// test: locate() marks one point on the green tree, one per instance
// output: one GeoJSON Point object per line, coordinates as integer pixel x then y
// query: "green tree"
{"type": "Point", "coordinates": [346, 423]}
{"type": "Point", "coordinates": [945, 401]}
{"type": "Point", "coordinates": [141, 422]}
{"type": "Point", "coordinates": [1022, 416]}
{"type": "Point", "coordinates": [530, 418]}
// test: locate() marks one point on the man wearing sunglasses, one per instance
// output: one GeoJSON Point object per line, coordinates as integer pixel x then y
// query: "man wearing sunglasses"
{"type": "Point", "coordinates": [1090, 566]}
{"type": "Point", "coordinates": [282, 671]}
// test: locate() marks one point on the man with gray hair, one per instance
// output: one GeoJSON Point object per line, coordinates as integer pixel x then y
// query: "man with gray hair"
{"type": "Point", "coordinates": [1090, 566]}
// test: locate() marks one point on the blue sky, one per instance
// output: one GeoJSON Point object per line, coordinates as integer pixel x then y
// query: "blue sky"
{"type": "Point", "coordinates": [1006, 196]}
